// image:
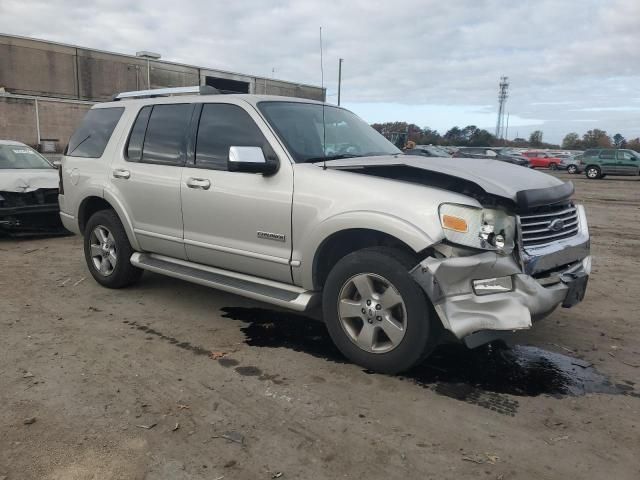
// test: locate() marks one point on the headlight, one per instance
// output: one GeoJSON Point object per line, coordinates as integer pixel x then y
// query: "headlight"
{"type": "Point", "coordinates": [482, 228]}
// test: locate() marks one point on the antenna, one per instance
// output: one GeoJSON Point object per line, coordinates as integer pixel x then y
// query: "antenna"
{"type": "Point", "coordinates": [324, 126]}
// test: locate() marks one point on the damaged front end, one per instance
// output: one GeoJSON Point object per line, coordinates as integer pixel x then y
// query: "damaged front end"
{"type": "Point", "coordinates": [484, 295]}
{"type": "Point", "coordinates": [34, 212]}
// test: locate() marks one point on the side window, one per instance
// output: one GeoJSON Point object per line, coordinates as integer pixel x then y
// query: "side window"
{"type": "Point", "coordinates": [591, 153]}
{"type": "Point", "coordinates": [608, 155]}
{"type": "Point", "coordinates": [93, 134]}
{"type": "Point", "coordinates": [625, 155]}
{"type": "Point", "coordinates": [136, 138]}
{"type": "Point", "coordinates": [223, 126]}
{"type": "Point", "coordinates": [164, 142]}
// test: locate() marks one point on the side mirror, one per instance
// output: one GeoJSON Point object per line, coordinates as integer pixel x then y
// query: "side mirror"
{"type": "Point", "coordinates": [250, 160]}
{"type": "Point", "coordinates": [57, 163]}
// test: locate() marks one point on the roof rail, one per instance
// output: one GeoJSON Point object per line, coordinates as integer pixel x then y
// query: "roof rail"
{"type": "Point", "coordinates": [167, 92]}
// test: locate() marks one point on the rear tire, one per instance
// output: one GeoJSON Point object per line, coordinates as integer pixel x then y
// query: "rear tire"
{"type": "Point", "coordinates": [553, 166]}
{"type": "Point", "coordinates": [107, 251]}
{"type": "Point", "coordinates": [572, 169]}
{"type": "Point", "coordinates": [376, 314]}
{"type": "Point", "coordinates": [593, 173]}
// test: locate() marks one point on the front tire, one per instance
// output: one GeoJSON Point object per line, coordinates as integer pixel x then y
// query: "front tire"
{"type": "Point", "coordinates": [553, 166]}
{"type": "Point", "coordinates": [593, 173]}
{"type": "Point", "coordinates": [572, 169]}
{"type": "Point", "coordinates": [107, 251]}
{"type": "Point", "coordinates": [376, 314]}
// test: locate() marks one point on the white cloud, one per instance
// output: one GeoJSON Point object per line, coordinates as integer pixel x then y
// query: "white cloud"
{"type": "Point", "coordinates": [569, 61]}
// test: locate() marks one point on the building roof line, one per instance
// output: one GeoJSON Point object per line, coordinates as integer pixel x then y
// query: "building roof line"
{"type": "Point", "coordinates": [168, 62]}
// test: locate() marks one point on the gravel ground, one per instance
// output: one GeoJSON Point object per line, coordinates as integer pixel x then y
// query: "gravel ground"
{"type": "Point", "coordinates": [168, 380]}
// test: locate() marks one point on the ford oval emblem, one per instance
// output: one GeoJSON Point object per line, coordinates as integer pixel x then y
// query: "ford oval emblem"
{"type": "Point", "coordinates": [556, 225]}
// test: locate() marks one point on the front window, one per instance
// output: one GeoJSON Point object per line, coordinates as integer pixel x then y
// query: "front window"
{"type": "Point", "coordinates": [310, 139]}
{"type": "Point", "coordinates": [21, 157]}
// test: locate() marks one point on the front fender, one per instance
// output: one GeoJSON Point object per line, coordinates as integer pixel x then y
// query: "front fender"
{"type": "Point", "coordinates": [408, 233]}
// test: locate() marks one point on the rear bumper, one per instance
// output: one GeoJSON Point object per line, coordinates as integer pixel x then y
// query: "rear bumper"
{"type": "Point", "coordinates": [541, 280]}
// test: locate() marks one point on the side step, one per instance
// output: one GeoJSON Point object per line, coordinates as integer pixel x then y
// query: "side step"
{"type": "Point", "coordinates": [276, 293]}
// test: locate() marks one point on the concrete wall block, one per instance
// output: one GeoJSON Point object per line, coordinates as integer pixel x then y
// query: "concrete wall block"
{"type": "Point", "coordinates": [18, 120]}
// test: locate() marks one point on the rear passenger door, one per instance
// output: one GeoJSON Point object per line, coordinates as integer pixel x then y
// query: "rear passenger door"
{"type": "Point", "coordinates": [145, 176]}
{"type": "Point", "coordinates": [234, 220]}
{"type": "Point", "coordinates": [608, 162]}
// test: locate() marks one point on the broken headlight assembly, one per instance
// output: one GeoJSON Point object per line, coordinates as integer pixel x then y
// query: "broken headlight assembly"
{"type": "Point", "coordinates": [481, 228]}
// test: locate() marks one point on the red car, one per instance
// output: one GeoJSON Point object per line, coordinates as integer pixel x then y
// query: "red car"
{"type": "Point", "coordinates": [539, 159]}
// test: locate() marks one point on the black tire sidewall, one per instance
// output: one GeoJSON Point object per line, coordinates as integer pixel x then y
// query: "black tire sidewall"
{"type": "Point", "coordinates": [419, 336]}
{"type": "Point", "coordinates": [124, 273]}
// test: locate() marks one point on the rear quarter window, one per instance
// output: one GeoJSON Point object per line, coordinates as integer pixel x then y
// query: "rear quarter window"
{"type": "Point", "coordinates": [93, 134]}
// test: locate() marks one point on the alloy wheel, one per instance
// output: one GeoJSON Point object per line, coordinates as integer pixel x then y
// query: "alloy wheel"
{"type": "Point", "coordinates": [103, 250]}
{"type": "Point", "coordinates": [592, 173]}
{"type": "Point", "coordinates": [372, 313]}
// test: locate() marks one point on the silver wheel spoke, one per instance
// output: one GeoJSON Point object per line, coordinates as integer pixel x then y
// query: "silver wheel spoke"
{"type": "Point", "coordinates": [364, 285]}
{"type": "Point", "coordinates": [393, 330]}
{"type": "Point", "coordinates": [96, 251]}
{"type": "Point", "coordinates": [390, 298]}
{"type": "Point", "coordinates": [104, 266]}
{"type": "Point", "coordinates": [100, 234]}
{"type": "Point", "coordinates": [366, 337]}
{"type": "Point", "coordinates": [350, 308]}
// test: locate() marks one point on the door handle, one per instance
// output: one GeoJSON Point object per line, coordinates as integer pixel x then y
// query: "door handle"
{"type": "Point", "coordinates": [121, 173]}
{"type": "Point", "coordinates": [201, 183]}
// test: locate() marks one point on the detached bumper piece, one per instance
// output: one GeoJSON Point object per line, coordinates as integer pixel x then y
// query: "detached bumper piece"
{"type": "Point", "coordinates": [30, 213]}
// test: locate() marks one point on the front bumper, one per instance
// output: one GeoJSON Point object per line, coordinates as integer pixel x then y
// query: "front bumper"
{"type": "Point", "coordinates": [542, 278]}
{"type": "Point", "coordinates": [30, 219]}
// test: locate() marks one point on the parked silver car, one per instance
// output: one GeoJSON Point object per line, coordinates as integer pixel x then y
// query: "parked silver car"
{"type": "Point", "coordinates": [238, 192]}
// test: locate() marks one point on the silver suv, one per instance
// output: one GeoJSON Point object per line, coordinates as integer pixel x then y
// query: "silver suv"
{"type": "Point", "coordinates": [302, 204]}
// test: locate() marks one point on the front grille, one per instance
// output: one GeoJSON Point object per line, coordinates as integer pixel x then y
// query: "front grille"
{"type": "Point", "coordinates": [545, 225]}
{"type": "Point", "coordinates": [42, 196]}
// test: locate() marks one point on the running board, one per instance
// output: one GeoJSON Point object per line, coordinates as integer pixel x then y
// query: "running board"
{"type": "Point", "coordinates": [276, 293]}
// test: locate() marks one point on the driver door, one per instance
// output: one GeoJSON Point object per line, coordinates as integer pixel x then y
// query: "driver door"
{"type": "Point", "coordinates": [235, 220]}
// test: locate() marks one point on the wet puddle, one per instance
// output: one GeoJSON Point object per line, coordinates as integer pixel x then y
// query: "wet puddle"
{"type": "Point", "coordinates": [489, 376]}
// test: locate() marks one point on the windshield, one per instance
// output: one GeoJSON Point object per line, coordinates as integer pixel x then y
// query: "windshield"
{"type": "Point", "coordinates": [22, 157]}
{"type": "Point", "coordinates": [300, 127]}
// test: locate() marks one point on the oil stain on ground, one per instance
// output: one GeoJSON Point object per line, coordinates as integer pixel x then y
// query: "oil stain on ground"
{"type": "Point", "coordinates": [489, 376]}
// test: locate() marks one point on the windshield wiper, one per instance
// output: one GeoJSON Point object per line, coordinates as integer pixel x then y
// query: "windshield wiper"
{"type": "Point", "coordinates": [331, 157]}
{"type": "Point", "coordinates": [76, 147]}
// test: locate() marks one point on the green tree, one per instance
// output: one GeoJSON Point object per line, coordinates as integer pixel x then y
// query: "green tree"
{"type": "Point", "coordinates": [596, 138]}
{"type": "Point", "coordinates": [619, 141]}
{"type": "Point", "coordinates": [571, 141]}
{"type": "Point", "coordinates": [430, 137]}
{"type": "Point", "coordinates": [454, 136]}
{"type": "Point", "coordinates": [535, 139]}
{"type": "Point", "coordinates": [634, 144]}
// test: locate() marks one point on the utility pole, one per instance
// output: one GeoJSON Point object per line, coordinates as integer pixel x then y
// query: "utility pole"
{"type": "Point", "coordinates": [503, 93]}
{"type": "Point", "coordinates": [339, 78]}
{"type": "Point", "coordinates": [506, 130]}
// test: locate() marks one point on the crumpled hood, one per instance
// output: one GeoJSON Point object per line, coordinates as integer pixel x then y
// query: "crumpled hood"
{"type": "Point", "coordinates": [27, 180]}
{"type": "Point", "coordinates": [525, 186]}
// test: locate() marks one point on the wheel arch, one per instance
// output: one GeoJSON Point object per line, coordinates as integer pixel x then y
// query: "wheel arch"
{"type": "Point", "coordinates": [333, 240]}
{"type": "Point", "coordinates": [94, 203]}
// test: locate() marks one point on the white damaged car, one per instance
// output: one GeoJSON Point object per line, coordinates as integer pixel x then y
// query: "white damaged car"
{"type": "Point", "coordinates": [28, 191]}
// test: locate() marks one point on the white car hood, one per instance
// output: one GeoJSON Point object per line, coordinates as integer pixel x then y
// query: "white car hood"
{"type": "Point", "coordinates": [525, 186]}
{"type": "Point", "coordinates": [28, 180]}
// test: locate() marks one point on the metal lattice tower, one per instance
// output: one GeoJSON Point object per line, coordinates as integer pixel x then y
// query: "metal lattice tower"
{"type": "Point", "coordinates": [503, 93]}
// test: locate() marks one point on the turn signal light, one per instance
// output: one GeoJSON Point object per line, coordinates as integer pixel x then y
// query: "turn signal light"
{"type": "Point", "coordinates": [456, 224]}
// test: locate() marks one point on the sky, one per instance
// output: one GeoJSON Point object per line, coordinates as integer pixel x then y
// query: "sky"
{"type": "Point", "coordinates": [573, 65]}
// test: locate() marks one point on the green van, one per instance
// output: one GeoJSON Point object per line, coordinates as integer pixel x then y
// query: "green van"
{"type": "Point", "coordinates": [600, 162]}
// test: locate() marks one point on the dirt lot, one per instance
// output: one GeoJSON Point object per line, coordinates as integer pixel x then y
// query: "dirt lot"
{"type": "Point", "coordinates": [100, 384]}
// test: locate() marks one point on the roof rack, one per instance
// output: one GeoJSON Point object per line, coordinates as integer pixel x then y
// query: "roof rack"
{"type": "Point", "coordinates": [168, 92]}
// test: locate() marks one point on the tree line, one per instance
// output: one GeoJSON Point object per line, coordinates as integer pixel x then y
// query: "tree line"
{"type": "Point", "coordinates": [400, 133]}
